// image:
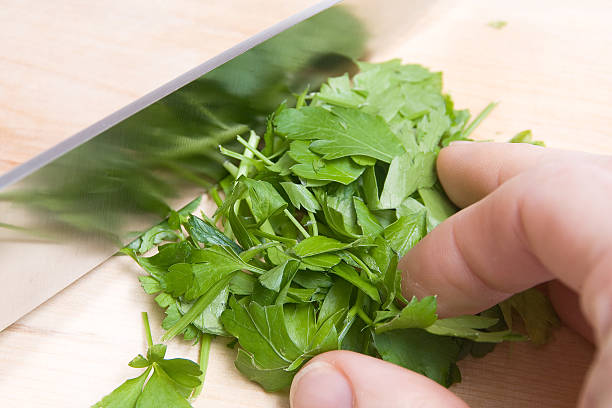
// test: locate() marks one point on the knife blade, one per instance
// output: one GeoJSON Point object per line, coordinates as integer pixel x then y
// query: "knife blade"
{"type": "Point", "coordinates": [73, 206]}
{"type": "Point", "coordinates": [70, 208]}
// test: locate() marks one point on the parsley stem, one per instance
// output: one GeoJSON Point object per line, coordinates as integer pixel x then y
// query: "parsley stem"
{"type": "Point", "coordinates": [297, 224]}
{"type": "Point", "coordinates": [481, 116]}
{"type": "Point", "coordinates": [417, 115]}
{"type": "Point", "coordinates": [350, 315]}
{"type": "Point", "coordinates": [313, 221]}
{"type": "Point", "coordinates": [206, 217]}
{"type": "Point", "coordinates": [364, 316]}
{"type": "Point", "coordinates": [279, 152]}
{"type": "Point", "coordinates": [231, 168]}
{"type": "Point", "coordinates": [190, 146]}
{"type": "Point", "coordinates": [362, 265]}
{"type": "Point", "coordinates": [13, 227]}
{"type": "Point", "coordinates": [247, 255]}
{"type": "Point", "coordinates": [350, 319]}
{"type": "Point", "coordinates": [205, 342]}
{"type": "Point", "coordinates": [273, 237]}
{"type": "Point", "coordinates": [399, 297]}
{"type": "Point", "coordinates": [353, 310]}
{"type": "Point", "coordinates": [145, 321]}
{"type": "Point", "coordinates": [255, 151]}
{"type": "Point", "coordinates": [242, 157]}
{"type": "Point", "coordinates": [357, 309]}
{"type": "Point", "coordinates": [214, 193]}
{"type": "Point", "coordinates": [213, 118]}
{"type": "Point", "coordinates": [243, 169]}
{"type": "Point", "coordinates": [301, 99]}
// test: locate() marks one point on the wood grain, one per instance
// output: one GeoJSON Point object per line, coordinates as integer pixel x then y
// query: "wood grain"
{"type": "Point", "coordinates": [66, 64]}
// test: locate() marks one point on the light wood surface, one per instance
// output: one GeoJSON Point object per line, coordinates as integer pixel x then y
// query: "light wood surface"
{"type": "Point", "coordinates": [66, 64]}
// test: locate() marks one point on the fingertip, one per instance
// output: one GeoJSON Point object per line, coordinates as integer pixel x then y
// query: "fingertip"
{"type": "Point", "coordinates": [450, 153]}
{"type": "Point", "coordinates": [597, 392]}
{"type": "Point", "coordinates": [567, 305]}
{"type": "Point", "coordinates": [460, 142]}
{"type": "Point", "coordinates": [596, 299]}
{"type": "Point", "coordinates": [456, 174]}
{"type": "Point", "coordinates": [320, 384]}
{"type": "Point", "coordinates": [469, 171]}
{"type": "Point", "coordinates": [338, 378]}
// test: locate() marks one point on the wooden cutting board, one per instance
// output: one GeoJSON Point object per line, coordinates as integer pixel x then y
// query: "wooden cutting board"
{"type": "Point", "coordinates": [66, 64]}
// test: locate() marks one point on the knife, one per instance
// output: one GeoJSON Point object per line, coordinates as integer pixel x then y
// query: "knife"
{"type": "Point", "coordinates": [70, 208]}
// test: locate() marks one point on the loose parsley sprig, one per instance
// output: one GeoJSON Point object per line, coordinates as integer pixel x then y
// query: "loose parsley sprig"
{"type": "Point", "coordinates": [165, 382]}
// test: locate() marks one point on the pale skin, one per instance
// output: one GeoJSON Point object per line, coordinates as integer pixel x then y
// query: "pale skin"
{"type": "Point", "coordinates": [530, 216]}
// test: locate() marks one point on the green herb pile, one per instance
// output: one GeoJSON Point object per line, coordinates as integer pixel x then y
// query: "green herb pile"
{"type": "Point", "coordinates": [301, 255]}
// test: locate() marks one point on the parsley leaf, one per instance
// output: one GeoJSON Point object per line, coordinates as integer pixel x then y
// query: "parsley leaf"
{"type": "Point", "coordinates": [467, 327]}
{"type": "Point", "coordinates": [415, 315]}
{"type": "Point", "coordinates": [420, 351]}
{"type": "Point", "coordinates": [276, 339]}
{"type": "Point", "coordinates": [340, 132]}
{"type": "Point", "coordinates": [407, 173]}
{"type": "Point", "coordinates": [535, 310]}
{"type": "Point", "coordinates": [300, 196]}
{"type": "Point", "coordinates": [311, 166]}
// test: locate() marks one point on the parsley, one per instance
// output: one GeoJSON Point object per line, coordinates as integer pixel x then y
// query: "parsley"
{"type": "Point", "coordinates": [536, 312]}
{"type": "Point", "coordinates": [164, 383]}
{"type": "Point", "coordinates": [498, 24]}
{"type": "Point", "coordinates": [301, 256]}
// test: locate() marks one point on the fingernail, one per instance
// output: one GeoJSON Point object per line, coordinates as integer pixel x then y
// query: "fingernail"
{"type": "Point", "coordinates": [320, 385]}
{"type": "Point", "coordinates": [597, 392]}
{"type": "Point", "coordinates": [603, 316]}
{"type": "Point", "coordinates": [460, 142]}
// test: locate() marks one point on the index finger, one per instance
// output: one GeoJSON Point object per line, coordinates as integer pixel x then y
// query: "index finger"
{"type": "Point", "coordinates": [470, 171]}
{"type": "Point", "coordinates": [544, 219]}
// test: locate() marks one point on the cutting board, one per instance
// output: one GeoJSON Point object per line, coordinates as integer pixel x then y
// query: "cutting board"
{"type": "Point", "coordinates": [550, 68]}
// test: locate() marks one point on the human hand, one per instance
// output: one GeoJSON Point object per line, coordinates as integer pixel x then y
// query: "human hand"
{"type": "Point", "coordinates": [532, 215]}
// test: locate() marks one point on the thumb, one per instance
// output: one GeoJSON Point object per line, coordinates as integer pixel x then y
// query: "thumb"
{"type": "Point", "coordinates": [343, 379]}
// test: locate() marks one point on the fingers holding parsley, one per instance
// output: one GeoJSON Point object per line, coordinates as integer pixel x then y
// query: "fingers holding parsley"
{"type": "Point", "coordinates": [539, 211]}
{"type": "Point", "coordinates": [534, 215]}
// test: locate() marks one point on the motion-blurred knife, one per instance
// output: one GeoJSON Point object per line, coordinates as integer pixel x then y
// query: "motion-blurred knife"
{"type": "Point", "coordinates": [73, 206]}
